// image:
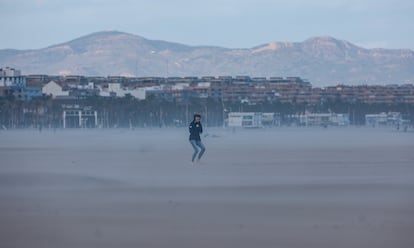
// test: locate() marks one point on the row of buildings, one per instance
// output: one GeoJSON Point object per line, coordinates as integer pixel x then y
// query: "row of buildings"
{"type": "Point", "coordinates": [243, 89]}
{"type": "Point", "coordinates": [78, 118]}
{"type": "Point", "coordinates": [258, 119]}
{"type": "Point", "coordinates": [240, 89]}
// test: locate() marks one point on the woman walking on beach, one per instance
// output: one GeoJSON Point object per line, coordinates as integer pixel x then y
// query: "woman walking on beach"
{"type": "Point", "coordinates": [196, 129]}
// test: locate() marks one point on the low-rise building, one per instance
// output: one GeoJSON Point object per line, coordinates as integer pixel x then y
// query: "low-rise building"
{"type": "Point", "coordinates": [54, 89]}
{"type": "Point", "coordinates": [383, 119]}
{"type": "Point", "coordinates": [245, 119]}
{"type": "Point", "coordinates": [33, 92]}
{"type": "Point", "coordinates": [324, 119]}
{"type": "Point", "coordinates": [116, 89]}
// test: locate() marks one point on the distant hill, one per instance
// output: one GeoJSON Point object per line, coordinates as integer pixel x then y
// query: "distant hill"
{"type": "Point", "coordinates": [321, 60]}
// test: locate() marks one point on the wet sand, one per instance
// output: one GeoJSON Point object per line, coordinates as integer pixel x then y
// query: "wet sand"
{"type": "Point", "coordinates": [287, 187]}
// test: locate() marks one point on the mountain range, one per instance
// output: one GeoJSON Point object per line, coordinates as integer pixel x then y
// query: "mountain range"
{"type": "Point", "coordinates": [321, 60]}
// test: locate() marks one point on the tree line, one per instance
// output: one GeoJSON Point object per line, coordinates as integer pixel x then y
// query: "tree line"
{"type": "Point", "coordinates": [153, 112]}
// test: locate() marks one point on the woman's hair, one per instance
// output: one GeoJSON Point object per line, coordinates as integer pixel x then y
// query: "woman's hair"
{"type": "Point", "coordinates": [197, 115]}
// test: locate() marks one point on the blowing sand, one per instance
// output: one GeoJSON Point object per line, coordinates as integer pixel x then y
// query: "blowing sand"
{"type": "Point", "coordinates": [287, 187]}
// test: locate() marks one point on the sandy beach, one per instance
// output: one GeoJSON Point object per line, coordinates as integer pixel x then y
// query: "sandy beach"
{"type": "Point", "coordinates": [281, 187]}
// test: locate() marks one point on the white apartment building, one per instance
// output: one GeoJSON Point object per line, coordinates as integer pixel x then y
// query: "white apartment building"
{"type": "Point", "coordinates": [10, 77]}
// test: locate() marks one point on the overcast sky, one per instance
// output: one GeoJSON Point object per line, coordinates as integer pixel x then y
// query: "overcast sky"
{"type": "Point", "coordinates": [32, 24]}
